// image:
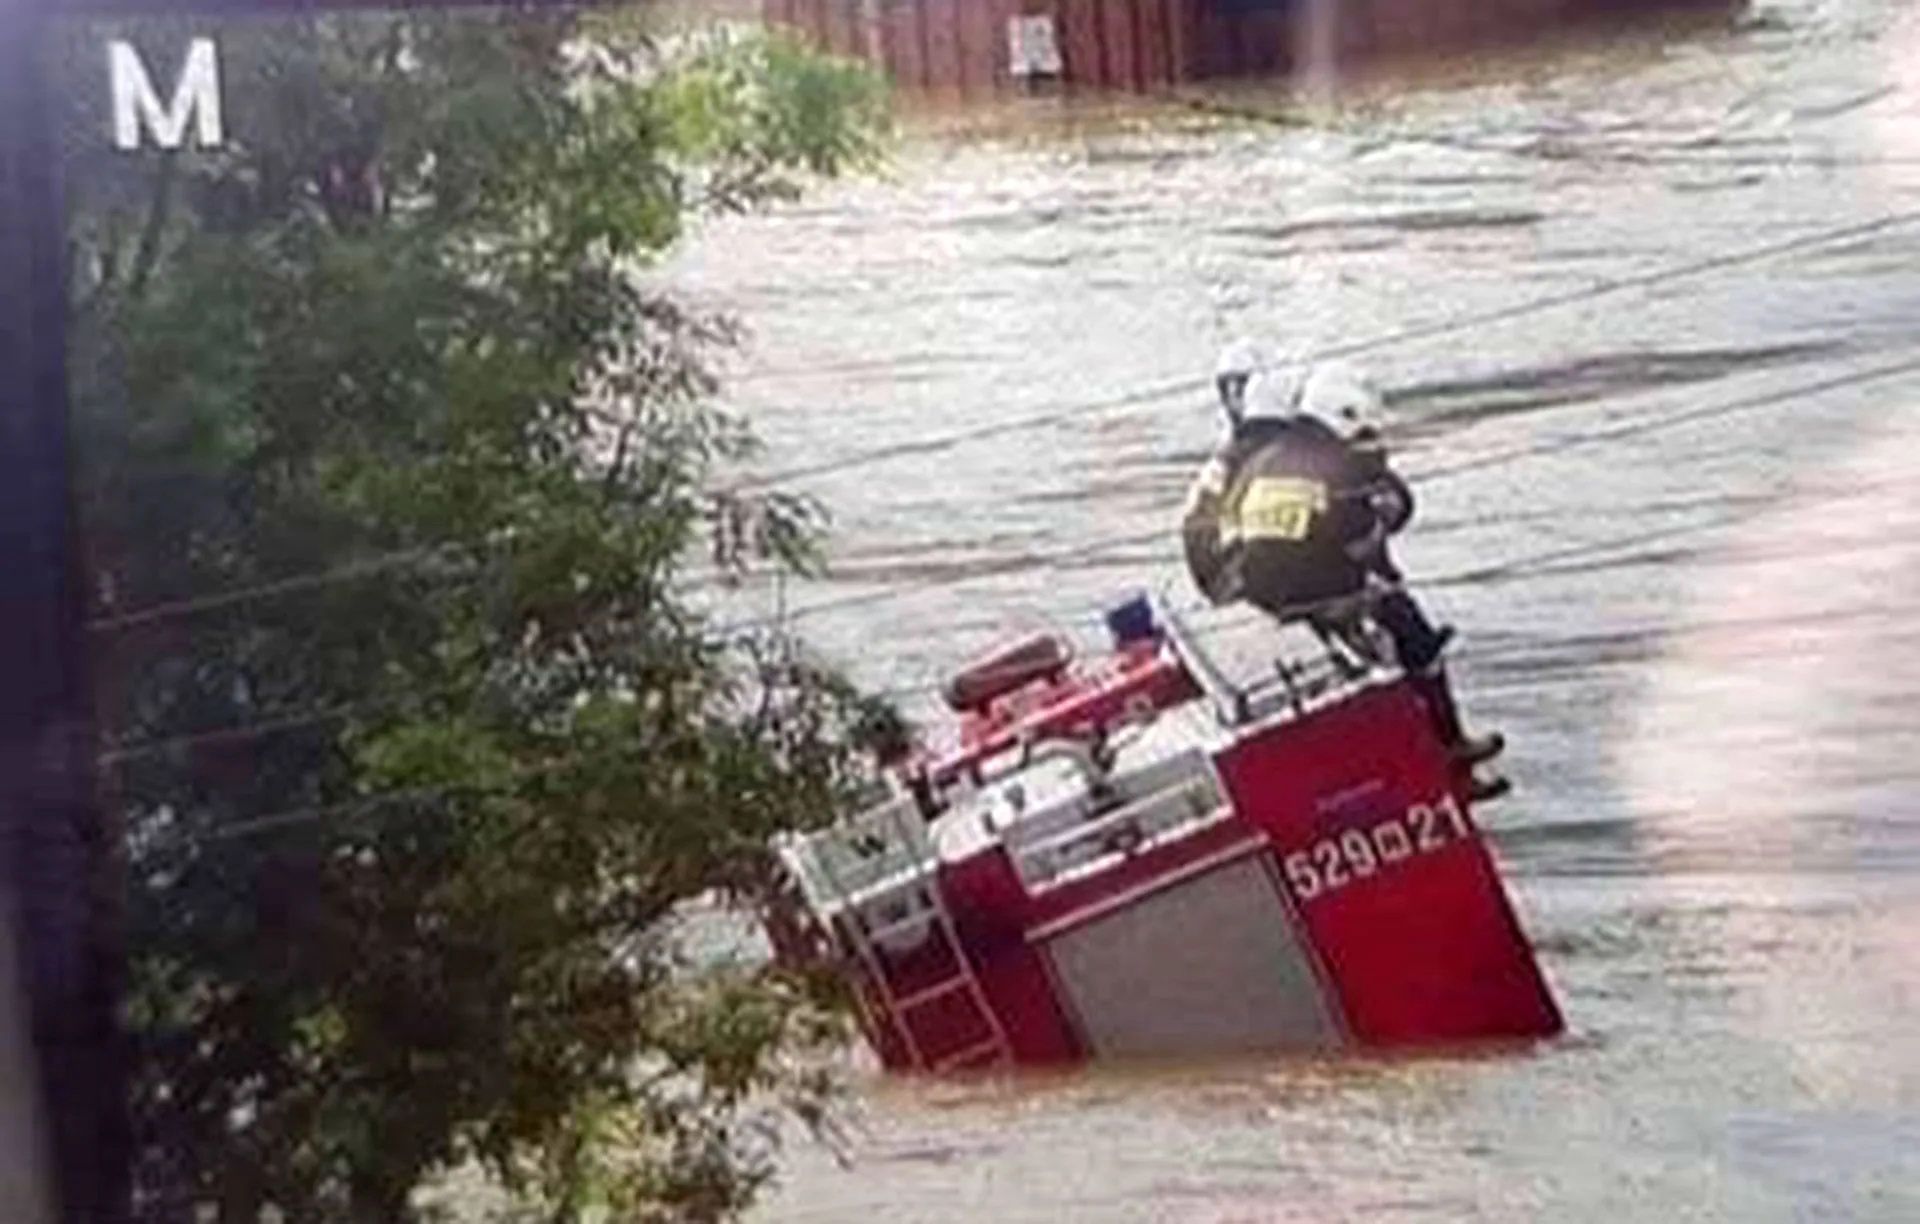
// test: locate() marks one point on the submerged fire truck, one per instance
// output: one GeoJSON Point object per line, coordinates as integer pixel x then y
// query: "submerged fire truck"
{"type": "Point", "coordinates": [1140, 855]}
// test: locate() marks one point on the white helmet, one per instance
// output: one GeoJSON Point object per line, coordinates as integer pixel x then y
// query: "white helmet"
{"type": "Point", "coordinates": [1237, 363]}
{"type": "Point", "coordinates": [1242, 357]}
{"type": "Point", "coordinates": [1345, 399]}
{"type": "Point", "coordinates": [1273, 395]}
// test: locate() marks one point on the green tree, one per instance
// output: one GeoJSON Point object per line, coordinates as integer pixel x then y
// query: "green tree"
{"type": "Point", "coordinates": [396, 459]}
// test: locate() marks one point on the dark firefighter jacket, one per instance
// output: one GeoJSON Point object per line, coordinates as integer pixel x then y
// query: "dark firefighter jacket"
{"type": "Point", "coordinates": [1288, 512]}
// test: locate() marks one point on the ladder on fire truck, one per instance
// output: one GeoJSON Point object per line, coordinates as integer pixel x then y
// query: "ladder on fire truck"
{"type": "Point", "coordinates": [885, 856]}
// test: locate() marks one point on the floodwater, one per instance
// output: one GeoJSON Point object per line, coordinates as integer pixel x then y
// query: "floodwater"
{"type": "Point", "coordinates": [1676, 521]}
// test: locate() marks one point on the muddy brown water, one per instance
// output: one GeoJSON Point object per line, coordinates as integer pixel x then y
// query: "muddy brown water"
{"type": "Point", "coordinates": [1675, 524]}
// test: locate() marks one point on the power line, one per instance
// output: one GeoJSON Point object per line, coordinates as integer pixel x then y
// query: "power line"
{"type": "Point", "coordinates": [373, 566]}
{"type": "Point", "coordinates": [1534, 564]}
{"type": "Point", "coordinates": [1228, 622]}
{"type": "Point", "coordinates": [383, 563]}
{"type": "Point", "coordinates": [370, 567]}
{"type": "Point", "coordinates": [1545, 563]}
{"type": "Point", "coordinates": [1513, 659]}
{"type": "Point", "coordinates": [1549, 562]}
{"type": "Point", "coordinates": [143, 749]}
{"type": "Point", "coordinates": [303, 815]}
{"type": "Point", "coordinates": [290, 817]}
{"type": "Point", "coordinates": [987, 572]}
{"type": "Point", "coordinates": [379, 565]}
{"type": "Point", "coordinates": [1094, 550]}
{"type": "Point", "coordinates": [1422, 331]}
{"type": "Point", "coordinates": [162, 745]}
{"type": "Point", "coordinates": [1230, 619]}
{"type": "Point", "coordinates": [1669, 421]}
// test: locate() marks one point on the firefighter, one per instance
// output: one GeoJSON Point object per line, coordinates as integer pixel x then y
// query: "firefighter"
{"type": "Point", "coordinates": [1349, 404]}
{"type": "Point", "coordinates": [1237, 363]}
{"type": "Point", "coordinates": [1292, 517]}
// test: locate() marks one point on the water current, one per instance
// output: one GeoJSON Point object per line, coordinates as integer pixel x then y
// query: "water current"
{"type": "Point", "coordinates": [1675, 520]}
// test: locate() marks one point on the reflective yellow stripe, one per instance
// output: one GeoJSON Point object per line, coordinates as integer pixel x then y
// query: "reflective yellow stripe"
{"type": "Point", "coordinates": [1276, 508]}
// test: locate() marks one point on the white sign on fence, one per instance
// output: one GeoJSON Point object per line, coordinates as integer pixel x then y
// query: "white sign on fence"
{"type": "Point", "coordinates": [1032, 49]}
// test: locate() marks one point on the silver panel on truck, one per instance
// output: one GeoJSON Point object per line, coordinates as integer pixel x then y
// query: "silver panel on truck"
{"type": "Point", "coordinates": [1209, 965]}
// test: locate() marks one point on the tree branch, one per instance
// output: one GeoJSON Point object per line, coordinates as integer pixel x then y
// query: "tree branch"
{"type": "Point", "coordinates": [153, 231]}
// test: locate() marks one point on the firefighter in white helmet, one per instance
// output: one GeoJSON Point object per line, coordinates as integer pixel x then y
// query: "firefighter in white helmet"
{"type": "Point", "coordinates": [1292, 517]}
{"type": "Point", "coordinates": [1237, 363]}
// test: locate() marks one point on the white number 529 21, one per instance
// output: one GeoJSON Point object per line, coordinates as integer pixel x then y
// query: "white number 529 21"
{"type": "Point", "coordinates": [1337, 860]}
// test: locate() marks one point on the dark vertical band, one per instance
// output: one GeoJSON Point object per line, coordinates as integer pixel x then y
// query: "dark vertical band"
{"type": "Point", "coordinates": [60, 861]}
